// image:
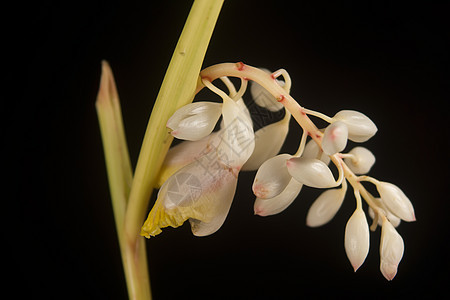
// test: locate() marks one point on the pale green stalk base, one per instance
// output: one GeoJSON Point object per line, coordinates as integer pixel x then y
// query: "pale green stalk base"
{"type": "Point", "coordinates": [117, 164]}
{"type": "Point", "coordinates": [178, 89]}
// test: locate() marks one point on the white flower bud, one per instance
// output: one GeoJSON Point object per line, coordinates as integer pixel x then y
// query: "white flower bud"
{"type": "Point", "coordinates": [268, 142]}
{"type": "Point", "coordinates": [195, 120]}
{"type": "Point", "coordinates": [275, 205]}
{"type": "Point", "coordinates": [312, 151]}
{"type": "Point", "coordinates": [361, 161]}
{"type": "Point", "coordinates": [391, 250]}
{"type": "Point", "coordinates": [238, 138]}
{"type": "Point", "coordinates": [325, 207]}
{"type": "Point", "coordinates": [356, 240]}
{"type": "Point", "coordinates": [360, 127]}
{"type": "Point", "coordinates": [272, 177]}
{"type": "Point", "coordinates": [335, 138]}
{"type": "Point", "coordinates": [202, 191]}
{"type": "Point", "coordinates": [263, 98]}
{"type": "Point", "coordinates": [396, 201]}
{"type": "Point", "coordinates": [311, 172]}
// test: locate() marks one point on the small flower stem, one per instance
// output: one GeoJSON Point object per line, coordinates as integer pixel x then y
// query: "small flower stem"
{"type": "Point", "coordinates": [347, 155]}
{"type": "Point", "coordinates": [230, 86]}
{"type": "Point", "coordinates": [358, 199]}
{"type": "Point", "coordinates": [287, 78]}
{"type": "Point", "coordinates": [318, 115]}
{"type": "Point", "coordinates": [369, 179]}
{"type": "Point", "coordinates": [300, 114]}
{"type": "Point", "coordinates": [215, 89]}
{"type": "Point", "coordinates": [242, 89]}
{"type": "Point", "coordinates": [301, 146]}
{"type": "Point", "coordinates": [356, 184]}
{"type": "Point", "coordinates": [338, 162]}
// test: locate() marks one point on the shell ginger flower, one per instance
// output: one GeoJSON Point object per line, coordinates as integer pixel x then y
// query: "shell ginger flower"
{"type": "Point", "coordinates": [199, 176]}
{"type": "Point", "coordinates": [203, 190]}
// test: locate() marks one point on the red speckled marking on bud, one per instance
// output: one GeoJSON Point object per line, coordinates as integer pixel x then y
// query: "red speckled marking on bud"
{"type": "Point", "coordinates": [280, 98]}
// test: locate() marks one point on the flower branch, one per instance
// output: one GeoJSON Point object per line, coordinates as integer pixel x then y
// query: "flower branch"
{"type": "Point", "coordinates": [280, 178]}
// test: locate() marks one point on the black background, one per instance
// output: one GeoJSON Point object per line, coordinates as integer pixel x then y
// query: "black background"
{"type": "Point", "coordinates": [383, 59]}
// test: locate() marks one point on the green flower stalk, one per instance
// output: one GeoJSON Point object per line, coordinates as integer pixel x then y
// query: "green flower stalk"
{"type": "Point", "coordinates": [130, 194]}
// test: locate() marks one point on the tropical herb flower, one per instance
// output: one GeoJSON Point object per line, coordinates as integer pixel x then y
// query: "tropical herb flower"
{"type": "Point", "coordinates": [199, 175]}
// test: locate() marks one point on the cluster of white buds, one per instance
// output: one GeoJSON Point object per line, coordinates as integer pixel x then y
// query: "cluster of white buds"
{"type": "Point", "coordinates": [199, 176]}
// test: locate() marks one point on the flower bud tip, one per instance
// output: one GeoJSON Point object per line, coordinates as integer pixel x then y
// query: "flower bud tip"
{"type": "Point", "coordinates": [389, 272]}
{"type": "Point", "coordinates": [258, 212]}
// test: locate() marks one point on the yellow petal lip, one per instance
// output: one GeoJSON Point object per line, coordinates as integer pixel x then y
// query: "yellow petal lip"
{"type": "Point", "coordinates": [193, 192]}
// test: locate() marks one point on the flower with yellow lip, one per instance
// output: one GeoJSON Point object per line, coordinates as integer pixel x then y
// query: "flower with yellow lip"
{"type": "Point", "coordinates": [199, 176]}
{"type": "Point", "coordinates": [202, 190]}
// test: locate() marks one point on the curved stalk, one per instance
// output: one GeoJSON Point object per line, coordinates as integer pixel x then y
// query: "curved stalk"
{"type": "Point", "coordinates": [268, 81]}
{"type": "Point", "coordinates": [129, 195]}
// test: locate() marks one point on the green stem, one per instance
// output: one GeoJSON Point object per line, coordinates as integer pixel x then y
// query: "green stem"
{"type": "Point", "coordinates": [178, 89]}
{"type": "Point", "coordinates": [130, 195]}
{"type": "Point", "coordinates": [117, 159]}
{"type": "Point", "coordinates": [114, 144]}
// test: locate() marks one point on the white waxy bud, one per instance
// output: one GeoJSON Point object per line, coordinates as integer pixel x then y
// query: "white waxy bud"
{"type": "Point", "coordinates": [335, 138]}
{"type": "Point", "coordinates": [360, 127]}
{"type": "Point", "coordinates": [194, 121]}
{"type": "Point", "coordinates": [395, 221]}
{"type": "Point", "coordinates": [325, 207]}
{"type": "Point", "coordinates": [396, 201]}
{"type": "Point", "coordinates": [311, 172]}
{"type": "Point", "coordinates": [268, 142]}
{"type": "Point", "coordinates": [391, 250]}
{"type": "Point", "coordinates": [361, 160]}
{"type": "Point", "coordinates": [272, 177]}
{"type": "Point", "coordinates": [275, 205]}
{"type": "Point", "coordinates": [263, 98]}
{"type": "Point", "coordinates": [238, 138]}
{"type": "Point", "coordinates": [312, 151]}
{"type": "Point", "coordinates": [357, 238]}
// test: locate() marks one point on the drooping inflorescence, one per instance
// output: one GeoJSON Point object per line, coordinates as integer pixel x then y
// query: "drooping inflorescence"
{"type": "Point", "coordinates": [199, 176]}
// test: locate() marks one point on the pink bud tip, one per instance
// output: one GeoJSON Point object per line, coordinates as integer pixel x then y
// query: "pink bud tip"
{"type": "Point", "coordinates": [389, 272]}
{"type": "Point", "coordinates": [259, 212]}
